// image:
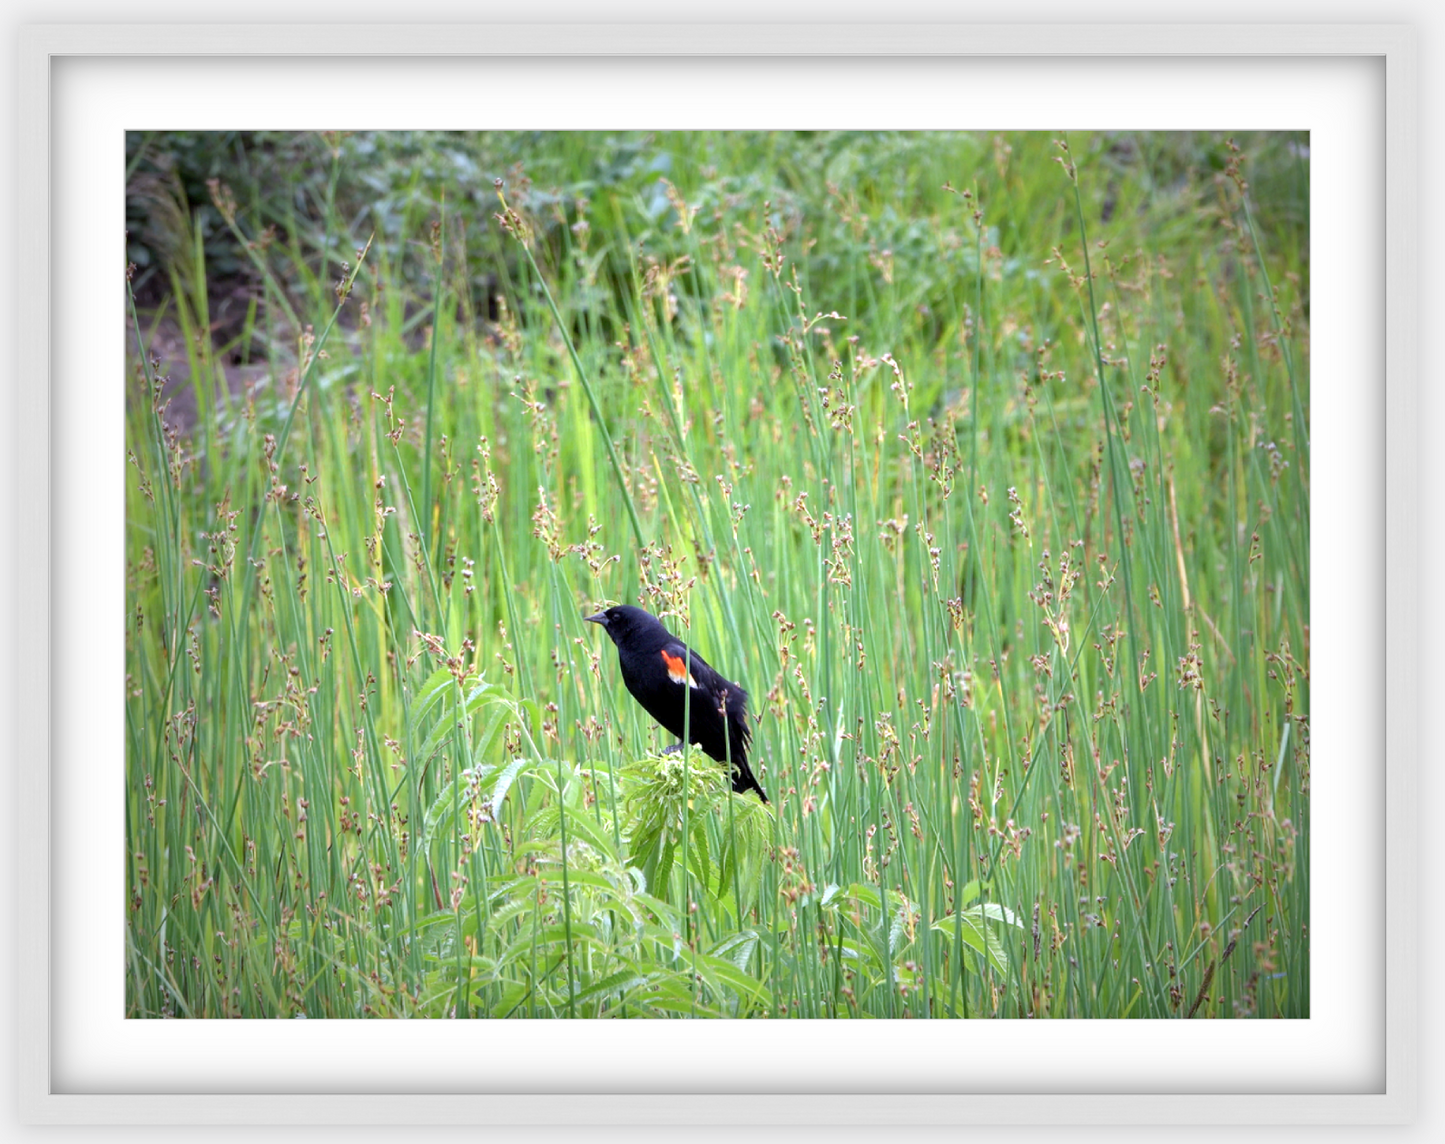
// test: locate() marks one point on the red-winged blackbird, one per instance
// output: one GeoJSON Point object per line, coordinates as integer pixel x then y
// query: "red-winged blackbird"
{"type": "Point", "coordinates": [655, 666]}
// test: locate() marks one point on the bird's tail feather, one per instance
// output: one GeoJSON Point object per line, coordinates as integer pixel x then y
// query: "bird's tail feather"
{"type": "Point", "coordinates": [743, 780]}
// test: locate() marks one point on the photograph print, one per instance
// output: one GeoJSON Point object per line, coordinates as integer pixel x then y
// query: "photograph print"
{"type": "Point", "coordinates": [717, 574]}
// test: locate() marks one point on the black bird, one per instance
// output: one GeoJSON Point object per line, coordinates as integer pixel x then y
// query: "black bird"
{"type": "Point", "coordinates": [655, 667]}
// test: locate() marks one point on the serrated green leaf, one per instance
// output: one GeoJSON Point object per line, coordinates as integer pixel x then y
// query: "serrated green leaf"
{"type": "Point", "coordinates": [865, 894]}
{"type": "Point", "coordinates": [505, 778]}
{"type": "Point", "coordinates": [968, 926]}
{"type": "Point", "coordinates": [738, 948]}
{"type": "Point", "coordinates": [427, 697]}
{"type": "Point", "coordinates": [623, 981]}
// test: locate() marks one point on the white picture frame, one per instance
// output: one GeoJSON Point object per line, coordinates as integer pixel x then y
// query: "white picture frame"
{"type": "Point", "coordinates": [41, 580]}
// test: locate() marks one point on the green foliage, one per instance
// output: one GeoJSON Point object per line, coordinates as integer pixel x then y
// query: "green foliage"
{"type": "Point", "coordinates": [676, 805]}
{"type": "Point", "coordinates": [983, 464]}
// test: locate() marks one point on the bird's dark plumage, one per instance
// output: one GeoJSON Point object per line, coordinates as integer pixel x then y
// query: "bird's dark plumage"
{"type": "Point", "coordinates": [655, 667]}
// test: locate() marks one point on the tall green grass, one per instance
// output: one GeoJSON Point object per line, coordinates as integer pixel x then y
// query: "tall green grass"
{"type": "Point", "coordinates": [982, 462]}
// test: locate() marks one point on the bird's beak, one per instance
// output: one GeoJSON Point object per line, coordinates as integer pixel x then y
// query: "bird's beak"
{"type": "Point", "coordinates": [599, 618]}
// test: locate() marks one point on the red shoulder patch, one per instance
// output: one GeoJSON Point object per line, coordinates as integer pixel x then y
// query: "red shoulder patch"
{"type": "Point", "coordinates": [677, 668]}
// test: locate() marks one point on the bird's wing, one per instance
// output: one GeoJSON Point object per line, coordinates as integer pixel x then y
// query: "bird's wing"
{"type": "Point", "coordinates": [675, 656]}
{"type": "Point", "coordinates": [679, 662]}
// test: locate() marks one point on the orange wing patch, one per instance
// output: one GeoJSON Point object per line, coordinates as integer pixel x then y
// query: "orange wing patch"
{"type": "Point", "coordinates": [677, 669]}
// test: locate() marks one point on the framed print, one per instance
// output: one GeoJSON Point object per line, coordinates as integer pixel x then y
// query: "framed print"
{"type": "Point", "coordinates": [964, 416]}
